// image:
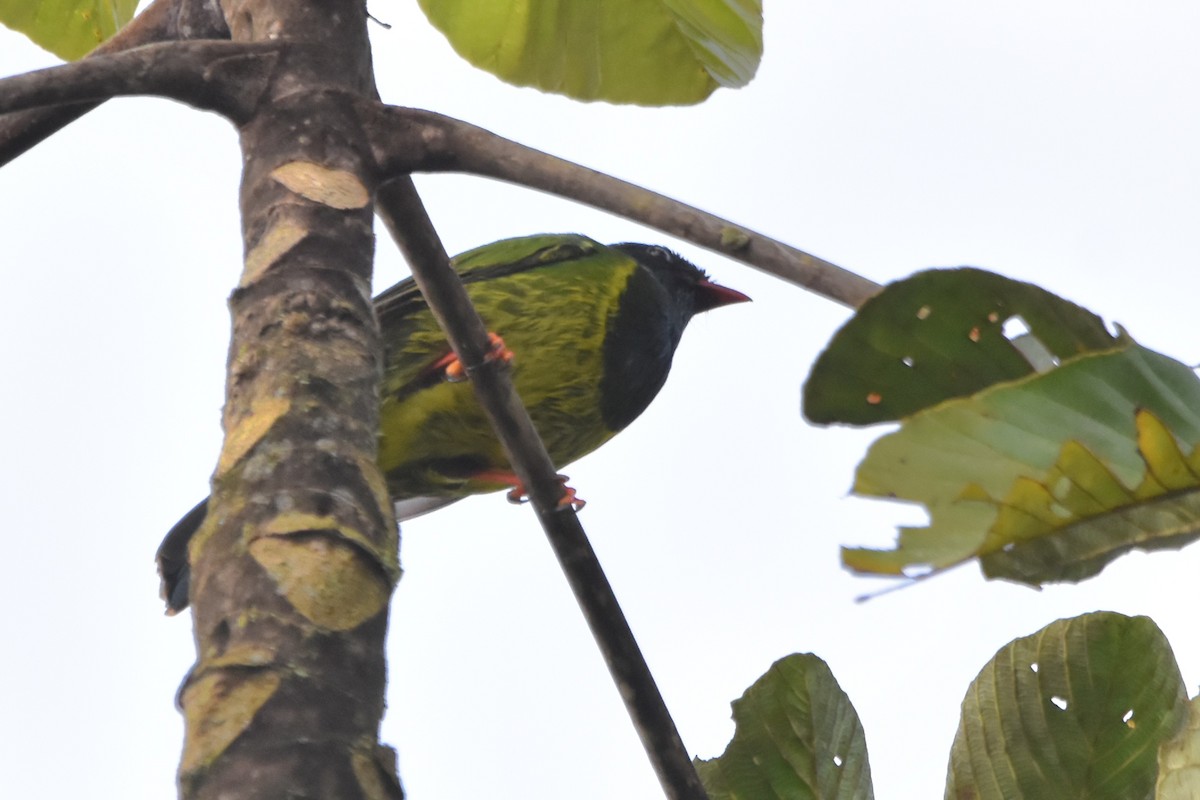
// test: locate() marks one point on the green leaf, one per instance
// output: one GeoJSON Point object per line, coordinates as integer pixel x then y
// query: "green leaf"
{"type": "Point", "coordinates": [649, 52]}
{"type": "Point", "coordinates": [1079, 710]}
{"type": "Point", "coordinates": [68, 28]}
{"type": "Point", "coordinates": [797, 738]}
{"type": "Point", "coordinates": [1179, 761]}
{"type": "Point", "coordinates": [939, 335]}
{"type": "Point", "coordinates": [1048, 478]}
{"type": "Point", "coordinates": [1046, 453]}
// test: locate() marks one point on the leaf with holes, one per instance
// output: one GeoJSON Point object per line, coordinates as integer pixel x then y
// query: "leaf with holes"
{"type": "Point", "coordinates": [1046, 452]}
{"type": "Point", "coordinates": [942, 334]}
{"type": "Point", "coordinates": [1078, 709]}
{"type": "Point", "coordinates": [797, 736]}
{"type": "Point", "coordinates": [649, 52]}
{"type": "Point", "coordinates": [68, 28]}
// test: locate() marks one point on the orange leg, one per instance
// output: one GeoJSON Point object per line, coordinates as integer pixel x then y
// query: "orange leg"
{"type": "Point", "coordinates": [518, 495]}
{"type": "Point", "coordinates": [453, 370]}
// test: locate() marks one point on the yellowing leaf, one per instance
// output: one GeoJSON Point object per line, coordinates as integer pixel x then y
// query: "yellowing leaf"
{"type": "Point", "coordinates": [1045, 452]}
{"type": "Point", "coordinates": [1047, 478]}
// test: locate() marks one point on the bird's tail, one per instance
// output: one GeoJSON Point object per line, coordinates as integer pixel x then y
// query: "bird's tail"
{"type": "Point", "coordinates": [172, 557]}
{"type": "Point", "coordinates": [175, 573]}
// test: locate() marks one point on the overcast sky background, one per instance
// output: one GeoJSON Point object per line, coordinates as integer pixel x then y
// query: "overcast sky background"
{"type": "Point", "coordinates": [1051, 141]}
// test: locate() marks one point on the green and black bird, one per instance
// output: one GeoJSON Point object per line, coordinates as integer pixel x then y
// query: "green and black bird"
{"type": "Point", "coordinates": [592, 330]}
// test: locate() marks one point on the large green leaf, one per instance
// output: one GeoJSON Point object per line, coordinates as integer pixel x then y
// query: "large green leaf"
{"type": "Point", "coordinates": [68, 28]}
{"type": "Point", "coordinates": [797, 738]}
{"type": "Point", "coordinates": [650, 52]}
{"type": "Point", "coordinates": [1045, 454]}
{"type": "Point", "coordinates": [1047, 478]}
{"type": "Point", "coordinates": [1078, 710]}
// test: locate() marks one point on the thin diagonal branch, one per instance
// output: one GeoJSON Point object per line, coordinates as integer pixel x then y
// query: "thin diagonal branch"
{"type": "Point", "coordinates": [411, 140]}
{"type": "Point", "coordinates": [162, 20]}
{"type": "Point", "coordinates": [222, 76]}
{"type": "Point", "coordinates": [403, 212]}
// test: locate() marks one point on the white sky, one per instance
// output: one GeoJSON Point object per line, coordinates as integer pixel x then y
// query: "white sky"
{"type": "Point", "coordinates": [1049, 141]}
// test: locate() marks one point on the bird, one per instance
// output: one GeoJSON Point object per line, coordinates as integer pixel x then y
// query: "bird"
{"type": "Point", "coordinates": [590, 331]}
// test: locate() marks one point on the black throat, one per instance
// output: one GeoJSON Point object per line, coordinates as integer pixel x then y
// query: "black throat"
{"type": "Point", "coordinates": [641, 339]}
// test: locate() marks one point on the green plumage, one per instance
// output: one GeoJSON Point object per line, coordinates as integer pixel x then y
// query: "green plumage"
{"type": "Point", "coordinates": [435, 435]}
{"type": "Point", "coordinates": [592, 329]}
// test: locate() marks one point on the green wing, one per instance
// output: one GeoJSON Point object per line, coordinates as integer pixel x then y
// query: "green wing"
{"type": "Point", "coordinates": [412, 337]}
{"type": "Point", "coordinates": [504, 257]}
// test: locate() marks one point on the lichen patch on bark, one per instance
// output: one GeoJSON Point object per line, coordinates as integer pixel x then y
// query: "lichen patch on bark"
{"type": "Point", "coordinates": [218, 707]}
{"type": "Point", "coordinates": [270, 247]}
{"type": "Point", "coordinates": [250, 430]}
{"type": "Point", "coordinates": [329, 581]}
{"type": "Point", "coordinates": [331, 187]}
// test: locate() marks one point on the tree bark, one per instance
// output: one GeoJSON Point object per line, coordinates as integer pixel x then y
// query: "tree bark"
{"type": "Point", "coordinates": [295, 564]}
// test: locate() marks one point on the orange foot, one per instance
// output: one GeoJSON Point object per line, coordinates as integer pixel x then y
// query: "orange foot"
{"type": "Point", "coordinates": [518, 495]}
{"type": "Point", "coordinates": [453, 370]}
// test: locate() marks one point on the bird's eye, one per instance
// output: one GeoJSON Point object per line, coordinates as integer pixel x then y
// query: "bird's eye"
{"type": "Point", "coordinates": [657, 252]}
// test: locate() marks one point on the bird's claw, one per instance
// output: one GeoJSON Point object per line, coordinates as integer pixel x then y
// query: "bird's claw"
{"type": "Point", "coordinates": [570, 498]}
{"type": "Point", "coordinates": [454, 371]}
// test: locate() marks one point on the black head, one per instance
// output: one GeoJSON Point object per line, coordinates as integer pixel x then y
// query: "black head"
{"type": "Point", "coordinates": [656, 306]}
{"type": "Point", "coordinates": [687, 284]}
